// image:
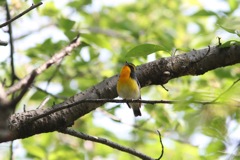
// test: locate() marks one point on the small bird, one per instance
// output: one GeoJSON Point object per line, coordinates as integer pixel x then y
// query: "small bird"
{"type": "Point", "coordinates": [128, 87]}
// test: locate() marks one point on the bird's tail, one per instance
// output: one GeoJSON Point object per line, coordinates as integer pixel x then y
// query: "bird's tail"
{"type": "Point", "coordinates": [136, 108]}
{"type": "Point", "coordinates": [136, 112]}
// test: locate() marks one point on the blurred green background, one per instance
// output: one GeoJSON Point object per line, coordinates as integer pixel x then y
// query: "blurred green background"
{"type": "Point", "coordinates": [109, 29]}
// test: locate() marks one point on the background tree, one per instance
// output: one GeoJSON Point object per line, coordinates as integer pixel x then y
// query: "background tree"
{"type": "Point", "coordinates": [108, 32]}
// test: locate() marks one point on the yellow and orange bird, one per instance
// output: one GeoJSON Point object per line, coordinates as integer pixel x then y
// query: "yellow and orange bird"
{"type": "Point", "coordinates": [128, 87]}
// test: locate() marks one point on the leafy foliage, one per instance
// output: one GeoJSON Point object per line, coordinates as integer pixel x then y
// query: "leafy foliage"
{"type": "Point", "coordinates": [138, 31]}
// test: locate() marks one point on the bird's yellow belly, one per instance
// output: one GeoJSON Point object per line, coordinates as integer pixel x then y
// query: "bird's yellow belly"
{"type": "Point", "coordinates": [128, 89]}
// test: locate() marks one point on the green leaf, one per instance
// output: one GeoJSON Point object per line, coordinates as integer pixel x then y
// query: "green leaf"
{"type": "Point", "coordinates": [214, 149]}
{"type": "Point", "coordinates": [79, 4]}
{"type": "Point", "coordinates": [230, 30]}
{"type": "Point", "coordinates": [35, 151]}
{"type": "Point", "coordinates": [97, 40]}
{"type": "Point", "coordinates": [36, 1]}
{"type": "Point", "coordinates": [65, 24]}
{"type": "Point", "coordinates": [144, 50]}
{"type": "Point", "coordinates": [229, 43]}
{"type": "Point", "coordinates": [205, 13]}
{"type": "Point", "coordinates": [70, 34]}
{"type": "Point", "coordinates": [231, 25]}
{"type": "Point", "coordinates": [233, 4]}
{"type": "Point", "coordinates": [49, 10]}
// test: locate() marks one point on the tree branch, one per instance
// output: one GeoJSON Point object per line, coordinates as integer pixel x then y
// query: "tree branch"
{"type": "Point", "coordinates": [160, 139]}
{"type": "Point", "coordinates": [15, 101]}
{"type": "Point", "coordinates": [37, 30]}
{"type": "Point", "coordinates": [3, 43]}
{"type": "Point", "coordinates": [67, 106]}
{"type": "Point", "coordinates": [54, 59]}
{"type": "Point", "coordinates": [11, 44]}
{"type": "Point", "coordinates": [233, 84]}
{"type": "Point", "coordinates": [24, 84]}
{"type": "Point", "coordinates": [105, 142]}
{"type": "Point", "coordinates": [118, 120]}
{"type": "Point", "coordinates": [192, 63]}
{"type": "Point", "coordinates": [3, 96]}
{"type": "Point", "coordinates": [21, 14]}
{"type": "Point", "coordinates": [48, 93]}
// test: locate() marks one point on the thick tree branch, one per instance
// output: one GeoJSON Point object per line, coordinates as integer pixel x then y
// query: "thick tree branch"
{"type": "Point", "coordinates": [24, 84]}
{"type": "Point", "coordinates": [154, 73]}
{"type": "Point", "coordinates": [3, 96]}
{"type": "Point", "coordinates": [21, 14]}
{"type": "Point", "coordinates": [106, 142]}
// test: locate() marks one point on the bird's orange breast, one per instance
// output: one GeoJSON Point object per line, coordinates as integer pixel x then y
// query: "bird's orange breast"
{"type": "Point", "coordinates": [126, 86]}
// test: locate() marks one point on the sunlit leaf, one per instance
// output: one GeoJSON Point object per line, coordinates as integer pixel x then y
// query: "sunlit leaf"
{"type": "Point", "coordinates": [231, 25]}
{"type": "Point", "coordinates": [204, 13]}
{"type": "Point", "coordinates": [98, 40]}
{"type": "Point", "coordinates": [233, 4]}
{"type": "Point", "coordinates": [79, 4]}
{"type": "Point", "coordinates": [49, 9]}
{"type": "Point", "coordinates": [230, 30]}
{"type": "Point", "coordinates": [215, 149]}
{"type": "Point", "coordinates": [144, 50]}
{"type": "Point", "coordinates": [36, 1]}
{"type": "Point", "coordinates": [65, 23]}
{"type": "Point", "coordinates": [229, 43]}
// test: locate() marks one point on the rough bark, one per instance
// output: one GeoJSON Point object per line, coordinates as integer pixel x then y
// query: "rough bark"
{"type": "Point", "coordinates": [158, 72]}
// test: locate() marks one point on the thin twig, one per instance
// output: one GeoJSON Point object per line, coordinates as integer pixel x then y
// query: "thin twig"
{"type": "Point", "coordinates": [24, 108]}
{"type": "Point", "coordinates": [14, 102]}
{"type": "Point", "coordinates": [11, 151]}
{"type": "Point", "coordinates": [164, 87]}
{"type": "Point", "coordinates": [160, 139]}
{"type": "Point", "coordinates": [104, 101]}
{"type": "Point", "coordinates": [235, 82]}
{"type": "Point", "coordinates": [21, 14]}
{"type": "Point", "coordinates": [11, 44]}
{"type": "Point", "coordinates": [33, 31]}
{"type": "Point", "coordinates": [138, 127]}
{"type": "Point", "coordinates": [109, 115]}
{"type": "Point", "coordinates": [43, 102]}
{"type": "Point", "coordinates": [27, 81]}
{"type": "Point", "coordinates": [54, 59]}
{"type": "Point", "coordinates": [3, 43]}
{"type": "Point", "coordinates": [219, 41]}
{"type": "Point", "coordinates": [118, 120]}
{"type": "Point", "coordinates": [54, 73]}
{"type": "Point", "coordinates": [105, 142]}
{"type": "Point", "coordinates": [50, 94]}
